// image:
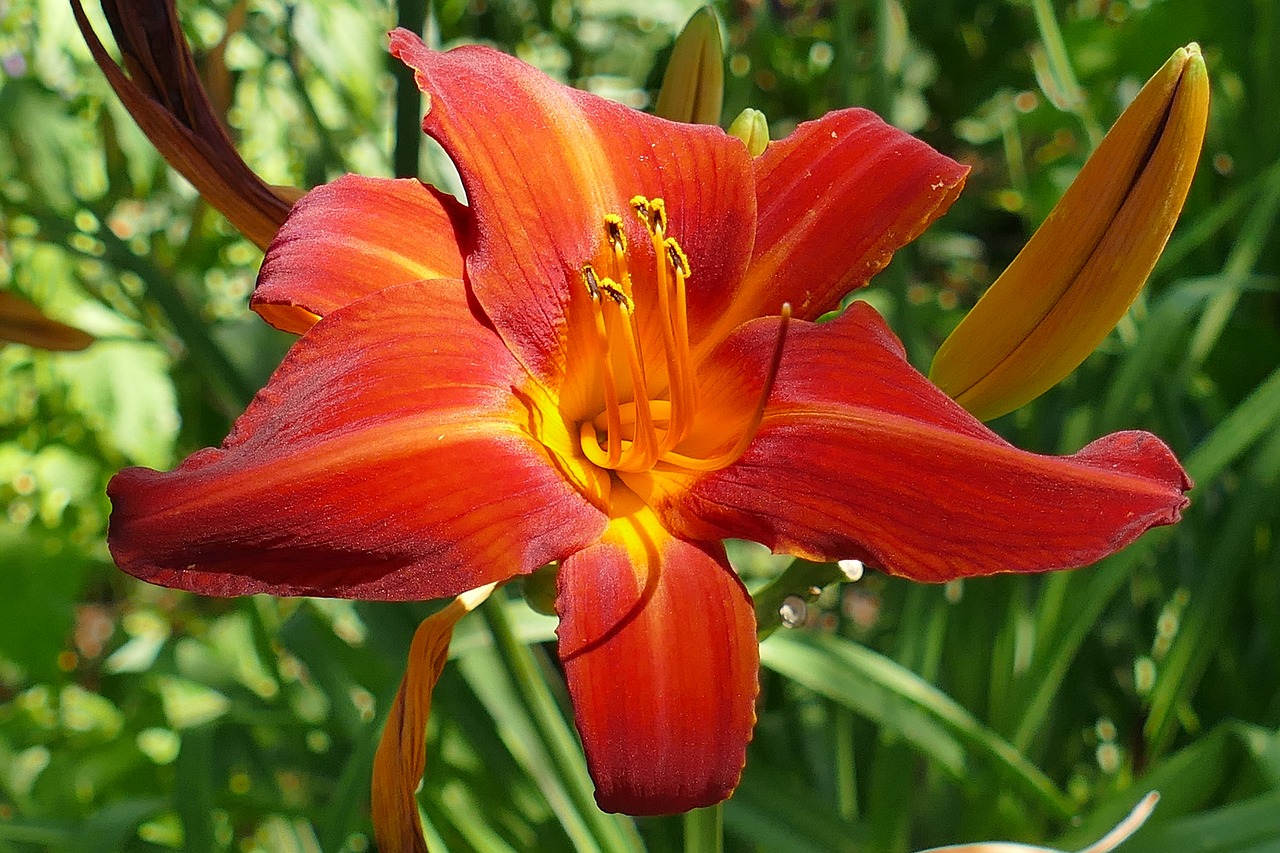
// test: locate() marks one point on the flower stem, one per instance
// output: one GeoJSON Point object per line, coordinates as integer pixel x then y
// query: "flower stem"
{"type": "Point", "coordinates": [704, 830]}
{"type": "Point", "coordinates": [795, 579]}
{"type": "Point", "coordinates": [613, 833]}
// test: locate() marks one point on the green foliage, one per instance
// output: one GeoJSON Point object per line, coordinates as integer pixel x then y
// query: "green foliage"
{"type": "Point", "coordinates": [897, 716]}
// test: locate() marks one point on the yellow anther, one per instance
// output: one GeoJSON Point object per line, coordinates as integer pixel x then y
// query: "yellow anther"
{"type": "Point", "coordinates": [613, 227]}
{"type": "Point", "coordinates": [658, 216]}
{"type": "Point", "coordinates": [640, 205]}
{"type": "Point", "coordinates": [679, 260]}
{"type": "Point", "coordinates": [610, 288]}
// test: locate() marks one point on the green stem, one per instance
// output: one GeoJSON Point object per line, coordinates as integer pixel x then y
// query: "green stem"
{"type": "Point", "coordinates": [846, 766]}
{"type": "Point", "coordinates": [796, 579]}
{"type": "Point", "coordinates": [613, 833]}
{"type": "Point", "coordinates": [412, 16]}
{"type": "Point", "coordinates": [704, 830]}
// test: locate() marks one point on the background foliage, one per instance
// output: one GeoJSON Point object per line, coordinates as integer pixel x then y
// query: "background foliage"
{"type": "Point", "coordinates": [896, 716]}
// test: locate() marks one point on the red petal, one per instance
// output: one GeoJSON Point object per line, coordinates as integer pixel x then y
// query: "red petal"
{"type": "Point", "coordinates": [836, 199]}
{"type": "Point", "coordinates": [542, 164]}
{"type": "Point", "coordinates": [353, 237]}
{"type": "Point", "coordinates": [859, 456]}
{"type": "Point", "coordinates": [387, 458]}
{"type": "Point", "coordinates": [658, 640]}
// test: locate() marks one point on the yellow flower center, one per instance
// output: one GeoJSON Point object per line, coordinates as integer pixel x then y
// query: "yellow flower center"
{"type": "Point", "coordinates": [633, 435]}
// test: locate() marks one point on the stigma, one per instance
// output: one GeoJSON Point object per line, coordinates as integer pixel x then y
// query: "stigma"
{"type": "Point", "coordinates": [644, 418]}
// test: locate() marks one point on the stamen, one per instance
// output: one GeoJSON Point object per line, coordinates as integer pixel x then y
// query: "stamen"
{"type": "Point", "coordinates": [619, 326]}
{"type": "Point", "coordinates": [687, 388]}
{"type": "Point", "coordinates": [658, 216]}
{"type": "Point", "coordinates": [640, 205]}
{"type": "Point", "coordinates": [724, 460]}
{"type": "Point", "coordinates": [643, 451]}
{"type": "Point", "coordinates": [618, 243]}
{"type": "Point", "coordinates": [660, 410]}
{"type": "Point", "coordinates": [613, 421]}
{"type": "Point", "coordinates": [613, 227]}
{"type": "Point", "coordinates": [592, 282]}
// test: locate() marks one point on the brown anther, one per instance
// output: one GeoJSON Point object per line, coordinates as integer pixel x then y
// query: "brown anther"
{"type": "Point", "coordinates": [591, 280]}
{"type": "Point", "coordinates": [610, 288]}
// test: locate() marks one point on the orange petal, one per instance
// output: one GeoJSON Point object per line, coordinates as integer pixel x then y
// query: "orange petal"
{"type": "Point", "coordinates": [657, 637]}
{"type": "Point", "coordinates": [836, 199]}
{"type": "Point", "coordinates": [402, 755]}
{"type": "Point", "coordinates": [23, 323]}
{"type": "Point", "coordinates": [387, 458]}
{"type": "Point", "coordinates": [352, 237]}
{"type": "Point", "coordinates": [543, 164]}
{"type": "Point", "coordinates": [860, 457]}
{"type": "Point", "coordinates": [163, 94]}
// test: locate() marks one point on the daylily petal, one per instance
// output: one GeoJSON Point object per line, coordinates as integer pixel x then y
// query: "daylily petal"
{"type": "Point", "coordinates": [836, 199]}
{"type": "Point", "coordinates": [859, 456]}
{"type": "Point", "coordinates": [543, 164]}
{"type": "Point", "coordinates": [402, 757]}
{"type": "Point", "coordinates": [164, 95]}
{"type": "Point", "coordinates": [1088, 261]}
{"type": "Point", "coordinates": [352, 237]}
{"type": "Point", "coordinates": [657, 637]}
{"type": "Point", "coordinates": [344, 478]}
{"type": "Point", "coordinates": [23, 323]}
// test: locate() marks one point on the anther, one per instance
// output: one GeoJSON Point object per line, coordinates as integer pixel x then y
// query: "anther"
{"type": "Point", "coordinates": [613, 227]}
{"type": "Point", "coordinates": [658, 216]}
{"type": "Point", "coordinates": [610, 288]}
{"type": "Point", "coordinates": [679, 260]}
{"type": "Point", "coordinates": [591, 280]}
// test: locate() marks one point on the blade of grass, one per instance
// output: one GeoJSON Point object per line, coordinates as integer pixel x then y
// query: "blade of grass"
{"type": "Point", "coordinates": [611, 832]}
{"type": "Point", "coordinates": [1059, 80]}
{"type": "Point", "coordinates": [704, 830]}
{"type": "Point", "coordinates": [1214, 590]}
{"type": "Point", "coordinates": [1248, 246]}
{"type": "Point", "coordinates": [777, 811]}
{"type": "Point", "coordinates": [898, 699]}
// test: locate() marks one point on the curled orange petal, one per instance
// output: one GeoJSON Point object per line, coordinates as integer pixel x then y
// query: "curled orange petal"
{"type": "Point", "coordinates": [163, 93]}
{"type": "Point", "coordinates": [402, 756]}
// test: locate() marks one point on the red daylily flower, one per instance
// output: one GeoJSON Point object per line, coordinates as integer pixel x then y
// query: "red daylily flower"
{"type": "Point", "coordinates": [592, 363]}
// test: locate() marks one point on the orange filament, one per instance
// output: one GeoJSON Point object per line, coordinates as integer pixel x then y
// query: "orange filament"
{"type": "Point", "coordinates": [611, 409]}
{"type": "Point", "coordinates": [635, 435]}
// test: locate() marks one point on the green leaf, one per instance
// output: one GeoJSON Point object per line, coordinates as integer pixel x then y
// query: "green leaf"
{"type": "Point", "coordinates": [902, 702]}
